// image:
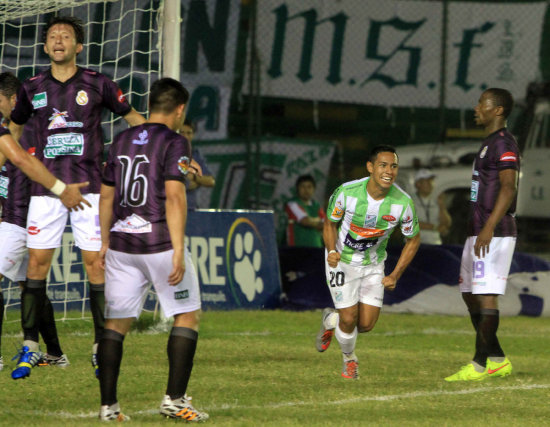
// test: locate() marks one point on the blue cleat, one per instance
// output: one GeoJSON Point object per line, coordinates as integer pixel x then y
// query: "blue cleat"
{"type": "Point", "coordinates": [27, 360]}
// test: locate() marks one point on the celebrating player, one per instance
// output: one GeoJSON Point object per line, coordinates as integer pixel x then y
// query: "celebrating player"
{"type": "Point", "coordinates": [492, 233]}
{"type": "Point", "coordinates": [143, 211]}
{"type": "Point", "coordinates": [15, 190]}
{"type": "Point", "coordinates": [362, 214]}
{"type": "Point", "coordinates": [66, 103]}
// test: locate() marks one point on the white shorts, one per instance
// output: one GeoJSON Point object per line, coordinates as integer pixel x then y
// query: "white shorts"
{"type": "Point", "coordinates": [47, 219]}
{"type": "Point", "coordinates": [14, 255]}
{"type": "Point", "coordinates": [128, 278]}
{"type": "Point", "coordinates": [487, 275]}
{"type": "Point", "coordinates": [349, 285]}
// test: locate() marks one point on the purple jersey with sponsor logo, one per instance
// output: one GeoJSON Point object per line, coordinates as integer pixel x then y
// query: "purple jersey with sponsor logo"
{"type": "Point", "coordinates": [140, 160]}
{"type": "Point", "coordinates": [67, 123]}
{"type": "Point", "coordinates": [498, 151]}
{"type": "Point", "coordinates": [15, 191]}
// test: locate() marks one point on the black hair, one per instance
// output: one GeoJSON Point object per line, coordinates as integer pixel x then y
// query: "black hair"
{"type": "Point", "coordinates": [77, 24]}
{"type": "Point", "coordinates": [166, 95]}
{"type": "Point", "coordinates": [502, 98]}
{"type": "Point", "coordinates": [305, 178]}
{"type": "Point", "coordinates": [9, 84]}
{"type": "Point", "coordinates": [191, 124]}
{"type": "Point", "coordinates": [381, 149]}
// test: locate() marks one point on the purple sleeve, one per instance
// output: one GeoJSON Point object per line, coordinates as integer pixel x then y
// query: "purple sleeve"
{"type": "Point", "coordinates": [177, 160]}
{"type": "Point", "coordinates": [23, 107]}
{"type": "Point", "coordinates": [506, 155]}
{"type": "Point", "coordinates": [114, 99]}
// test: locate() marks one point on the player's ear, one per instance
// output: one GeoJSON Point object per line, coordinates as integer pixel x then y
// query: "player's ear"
{"type": "Point", "coordinates": [79, 48]}
{"type": "Point", "coordinates": [370, 167]}
{"type": "Point", "coordinates": [13, 101]}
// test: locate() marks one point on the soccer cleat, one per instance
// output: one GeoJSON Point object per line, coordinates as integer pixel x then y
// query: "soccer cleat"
{"type": "Point", "coordinates": [27, 360]}
{"type": "Point", "coordinates": [350, 369]}
{"type": "Point", "coordinates": [324, 336]}
{"type": "Point", "coordinates": [181, 409]}
{"type": "Point", "coordinates": [112, 413]}
{"type": "Point", "coordinates": [468, 373]}
{"type": "Point", "coordinates": [59, 361]}
{"type": "Point", "coordinates": [499, 369]}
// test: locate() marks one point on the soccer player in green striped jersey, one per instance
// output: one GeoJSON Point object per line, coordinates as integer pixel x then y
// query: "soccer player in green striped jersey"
{"type": "Point", "coordinates": [361, 216]}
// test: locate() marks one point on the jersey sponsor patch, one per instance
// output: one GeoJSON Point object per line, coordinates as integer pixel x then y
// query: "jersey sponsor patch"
{"type": "Point", "coordinates": [359, 245]}
{"type": "Point", "coordinates": [40, 100]}
{"type": "Point", "coordinates": [81, 97]}
{"type": "Point", "coordinates": [4, 182]}
{"type": "Point", "coordinates": [181, 294]}
{"type": "Point", "coordinates": [64, 144]}
{"type": "Point", "coordinates": [389, 218]}
{"type": "Point", "coordinates": [509, 156]}
{"type": "Point", "coordinates": [366, 232]}
{"type": "Point", "coordinates": [133, 224]}
{"type": "Point", "coordinates": [33, 230]}
{"type": "Point", "coordinates": [474, 190]}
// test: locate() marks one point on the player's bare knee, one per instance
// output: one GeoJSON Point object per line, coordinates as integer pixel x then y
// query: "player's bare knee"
{"type": "Point", "coordinates": [365, 327]}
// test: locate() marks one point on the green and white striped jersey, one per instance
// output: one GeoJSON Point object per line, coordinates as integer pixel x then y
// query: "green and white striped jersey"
{"type": "Point", "coordinates": [366, 224]}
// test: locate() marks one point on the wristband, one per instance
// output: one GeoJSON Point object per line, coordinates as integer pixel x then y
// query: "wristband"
{"type": "Point", "coordinates": [332, 252]}
{"type": "Point", "coordinates": [58, 187]}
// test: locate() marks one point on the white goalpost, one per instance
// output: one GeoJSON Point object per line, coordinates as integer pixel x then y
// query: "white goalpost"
{"type": "Point", "coordinates": [127, 40]}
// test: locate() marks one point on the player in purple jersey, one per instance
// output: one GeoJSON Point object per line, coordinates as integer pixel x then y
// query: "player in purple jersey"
{"type": "Point", "coordinates": [66, 103]}
{"type": "Point", "coordinates": [143, 211]}
{"type": "Point", "coordinates": [491, 240]}
{"type": "Point", "coordinates": [15, 194]}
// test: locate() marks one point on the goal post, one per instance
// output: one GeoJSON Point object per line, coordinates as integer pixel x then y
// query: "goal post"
{"type": "Point", "coordinates": [127, 40]}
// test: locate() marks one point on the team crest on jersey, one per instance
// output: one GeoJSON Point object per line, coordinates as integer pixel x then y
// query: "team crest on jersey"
{"type": "Point", "coordinates": [370, 221]}
{"type": "Point", "coordinates": [143, 138]}
{"type": "Point", "coordinates": [183, 165]}
{"type": "Point", "coordinates": [58, 121]}
{"type": "Point", "coordinates": [39, 100]}
{"type": "Point", "coordinates": [483, 152]}
{"type": "Point", "coordinates": [81, 97]}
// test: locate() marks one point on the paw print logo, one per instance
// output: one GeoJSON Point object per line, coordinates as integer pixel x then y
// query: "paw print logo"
{"type": "Point", "coordinates": [248, 261]}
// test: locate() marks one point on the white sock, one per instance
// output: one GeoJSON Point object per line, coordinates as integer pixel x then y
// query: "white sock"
{"type": "Point", "coordinates": [331, 320]}
{"type": "Point", "coordinates": [33, 345]}
{"type": "Point", "coordinates": [346, 341]}
{"type": "Point", "coordinates": [497, 359]}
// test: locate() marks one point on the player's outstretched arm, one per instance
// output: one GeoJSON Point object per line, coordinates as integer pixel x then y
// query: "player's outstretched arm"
{"type": "Point", "coordinates": [35, 170]}
{"type": "Point", "coordinates": [133, 118]}
{"type": "Point", "coordinates": [176, 218]}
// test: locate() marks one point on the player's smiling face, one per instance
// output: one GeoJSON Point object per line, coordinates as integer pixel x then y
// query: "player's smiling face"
{"type": "Point", "coordinates": [384, 170]}
{"type": "Point", "coordinates": [61, 45]}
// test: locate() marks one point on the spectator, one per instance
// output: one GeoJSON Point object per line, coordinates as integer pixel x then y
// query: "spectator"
{"type": "Point", "coordinates": [194, 181]}
{"type": "Point", "coordinates": [433, 216]}
{"type": "Point", "coordinates": [305, 216]}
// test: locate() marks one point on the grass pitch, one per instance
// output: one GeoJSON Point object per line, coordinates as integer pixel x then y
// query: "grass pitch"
{"type": "Point", "coordinates": [255, 368]}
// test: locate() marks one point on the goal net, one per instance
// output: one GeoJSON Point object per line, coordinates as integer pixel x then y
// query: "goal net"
{"type": "Point", "coordinates": [122, 41]}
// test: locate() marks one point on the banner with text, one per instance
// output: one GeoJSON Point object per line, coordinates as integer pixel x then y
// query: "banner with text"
{"type": "Point", "coordinates": [281, 161]}
{"type": "Point", "coordinates": [389, 53]}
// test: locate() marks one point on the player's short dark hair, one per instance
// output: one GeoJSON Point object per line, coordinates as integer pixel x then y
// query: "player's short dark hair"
{"type": "Point", "coordinates": [502, 98]}
{"type": "Point", "coordinates": [383, 148]}
{"type": "Point", "coordinates": [77, 24]}
{"type": "Point", "coordinates": [191, 124]}
{"type": "Point", "coordinates": [305, 178]}
{"type": "Point", "coordinates": [166, 95]}
{"type": "Point", "coordinates": [9, 84]}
